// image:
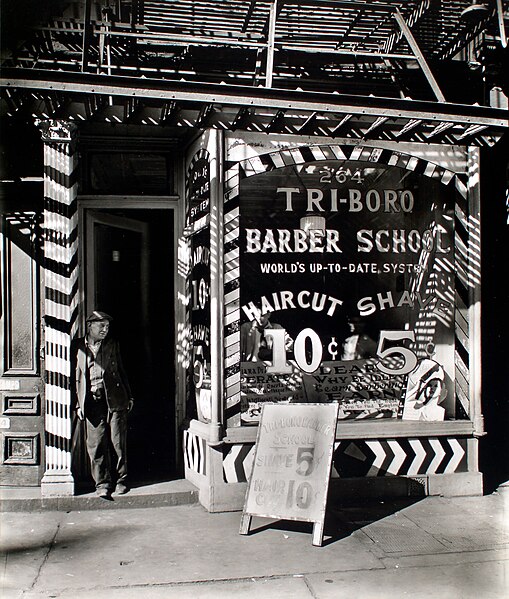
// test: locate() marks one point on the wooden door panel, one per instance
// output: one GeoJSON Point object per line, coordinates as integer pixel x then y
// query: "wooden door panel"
{"type": "Point", "coordinates": [21, 385]}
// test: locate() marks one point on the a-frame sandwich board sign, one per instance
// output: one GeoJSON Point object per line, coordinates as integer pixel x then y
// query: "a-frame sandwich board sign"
{"type": "Point", "coordinates": [292, 464]}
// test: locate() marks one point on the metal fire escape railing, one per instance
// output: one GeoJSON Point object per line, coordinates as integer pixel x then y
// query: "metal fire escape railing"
{"type": "Point", "coordinates": [361, 6]}
{"type": "Point", "coordinates": [310, 43]}
{"type": "Point", "coordinates": [106, 32]}
{"type": "Point", "coordinates": [314, 67]}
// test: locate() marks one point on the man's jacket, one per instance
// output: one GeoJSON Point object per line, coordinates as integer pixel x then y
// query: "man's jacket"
{"type": "Point", "coordinates": [116, 386]}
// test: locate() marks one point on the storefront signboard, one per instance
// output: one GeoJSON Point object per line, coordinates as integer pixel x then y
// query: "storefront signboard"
{"type": "Point", "coordinates": [292, 464]}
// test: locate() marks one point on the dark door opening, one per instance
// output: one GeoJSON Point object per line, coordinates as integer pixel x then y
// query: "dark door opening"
{"type": "Point", "coordinates": [130, 275]}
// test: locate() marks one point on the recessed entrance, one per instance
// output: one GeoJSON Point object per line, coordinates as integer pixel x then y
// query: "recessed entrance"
{"type": "Point", "coordinates": [129, 273]}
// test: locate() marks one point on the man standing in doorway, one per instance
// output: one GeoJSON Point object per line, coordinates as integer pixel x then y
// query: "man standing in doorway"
{"type": "Point", "coordinates": [103, 399]}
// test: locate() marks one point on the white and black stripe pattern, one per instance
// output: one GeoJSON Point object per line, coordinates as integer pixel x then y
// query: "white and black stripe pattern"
{"type": "Point", "coordinates": [267, 162]}
{"type": "Point", "coordinates": [61, 292]}
{"type": "Point", "coordinates": [237, 462]}
{"type": "Point", "coordinates": [368, 458]}
{"type": "Point", "coordinates": [400, 457]}
{"type": "Point", "coordinates": [466, 238]}
{"type": "Point", "coordinates": [195, 453]}
{"type": "Point", "coordinates": [232, 297]}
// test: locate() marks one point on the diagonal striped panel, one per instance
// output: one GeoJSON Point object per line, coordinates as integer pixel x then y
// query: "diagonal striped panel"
{"type": "Point", "coordinates": [61, 286]}
{"type": "Point", "coordinates": [195, 452]}
{"type": "Point", "coordinates": [439, 456]}
{"type": "Point", "coordinates": [376, 457]}
{"type": "Point", "coordinates": [400, 457]}
{"type": "Point", "coordinates": [232, 293]}
{"type": "Point", "coordinates": [419, 456]}
{"type": "Point", "coordinates": [467, 276]}
{"type": "Point", "coordinates": [458, 458]}
{"type": "Point", "coordinates": [380, 457]}
{"type": "Point", "coordinates": [237, 463]}
{"type": "Point", "coordinates": [298, 155]}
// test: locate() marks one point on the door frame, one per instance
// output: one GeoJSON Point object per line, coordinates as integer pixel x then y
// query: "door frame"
{"type": "Point", "coordinates": [175, 203]}
{"type": "Point", "coordinates": [96, 216]}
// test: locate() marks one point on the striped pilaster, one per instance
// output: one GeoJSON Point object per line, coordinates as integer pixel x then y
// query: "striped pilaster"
{"type": "Point", "coordinates": [264, 163]}
{"type": "Point", "coordinates": [471, 267]}
{"type": "Point", "coordinates": [60, 297]}
{"type": "Point", "coordinates": [232, 296]}
{"type": "Point", "coordinates": [462, 321]}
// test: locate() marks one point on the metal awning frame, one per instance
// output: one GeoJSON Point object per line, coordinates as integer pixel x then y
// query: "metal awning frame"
{"type": "Point", "coordinates": [84, 97]}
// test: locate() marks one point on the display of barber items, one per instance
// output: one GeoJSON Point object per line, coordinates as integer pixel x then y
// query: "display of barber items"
{"type": "Point", "coordinates": [347, 291]}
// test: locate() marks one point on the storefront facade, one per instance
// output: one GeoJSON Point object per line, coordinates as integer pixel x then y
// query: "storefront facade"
{"type": "Point", "coordinates": [284, 246]}
{"type": "Point", "coordinates": [393, 224]}
{"type": "Point", "coordinates": [317, 232]}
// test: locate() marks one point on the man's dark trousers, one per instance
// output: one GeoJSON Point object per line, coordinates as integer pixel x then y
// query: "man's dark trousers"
{"type": "Point", "coordinates": [104, 427]}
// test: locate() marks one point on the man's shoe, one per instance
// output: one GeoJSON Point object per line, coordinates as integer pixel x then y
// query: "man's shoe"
{"type": "Point", "coordinates": [121, 489]}
{"type": "Point", "coordinates": [103, 493]}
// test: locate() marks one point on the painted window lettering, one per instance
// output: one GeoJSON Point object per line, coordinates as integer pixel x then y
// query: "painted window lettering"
{"type": "Point", "coordinates": [341, 175]}
{"type": "Point", "coordinates": [279, 363]}
{"type": "Point", "coordinates": [390, 355]}
{"type": "Point", "coordinates": [298, 241]}
{"type": "Point", "coordinates": [379, 236]}
{"type": "Point", "coordinates": [394, 360]}
{"type": "Point", "coordinates": [200, 293]}
{"type": "Point", "coordinates": [293, 241]}
{"type": "Point", "coordinates": [354, 200]}
{"type": "Point", "coordinates": [288, 300]}
{"type": "Point", "coordinates": [383, 301]}
{"type": "Point", "coordinates": [400, 241]}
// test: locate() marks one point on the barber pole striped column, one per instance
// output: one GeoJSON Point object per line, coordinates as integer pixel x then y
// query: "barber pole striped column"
{"type": "Point", "coordinates": [60, 298]}
{"type": "Point", "coordinates": [232, 296]}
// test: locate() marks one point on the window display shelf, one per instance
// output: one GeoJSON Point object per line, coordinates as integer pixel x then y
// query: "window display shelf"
{"type": "Point", "coordinates": [373, 430]}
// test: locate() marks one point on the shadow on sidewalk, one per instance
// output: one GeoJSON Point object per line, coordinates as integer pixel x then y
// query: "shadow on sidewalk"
{"type": "Point", "coordinates": [343, 519]}
{"type": "Point", "coordinates": [87, 487]}
{"type": "Point", "coordinates": [65, 539]}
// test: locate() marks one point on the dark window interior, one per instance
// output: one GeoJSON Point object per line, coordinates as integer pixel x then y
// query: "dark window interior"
{"type": "Point", "coordinates": [129, 173]}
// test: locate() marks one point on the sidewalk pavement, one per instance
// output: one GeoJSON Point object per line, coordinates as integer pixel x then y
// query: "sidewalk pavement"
{"type": "Point", "coordinates": [433, 547]}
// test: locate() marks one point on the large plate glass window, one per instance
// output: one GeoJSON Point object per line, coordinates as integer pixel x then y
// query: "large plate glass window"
{"type": "Point", "coordinates": [347, 291]}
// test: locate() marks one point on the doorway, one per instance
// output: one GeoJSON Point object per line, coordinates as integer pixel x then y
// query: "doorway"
{"type": "Point", "coordinates": [129, 273]}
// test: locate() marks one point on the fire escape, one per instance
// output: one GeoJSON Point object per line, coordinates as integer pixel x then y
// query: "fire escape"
{"type": "Point", "coordinates": [412, 70]}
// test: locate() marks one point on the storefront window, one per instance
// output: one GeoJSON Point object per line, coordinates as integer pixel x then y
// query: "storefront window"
{"type": "Point", "coordinates": [347, 291]}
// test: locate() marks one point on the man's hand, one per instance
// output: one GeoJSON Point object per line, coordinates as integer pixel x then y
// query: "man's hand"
{"type": "Point", "coordinates": [130, 405]}
{"type": "Point", "coordinates": [79, 412]}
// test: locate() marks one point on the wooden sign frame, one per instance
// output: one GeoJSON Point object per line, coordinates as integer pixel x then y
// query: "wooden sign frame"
{"type": "Point", "coordinates": [292, 465]}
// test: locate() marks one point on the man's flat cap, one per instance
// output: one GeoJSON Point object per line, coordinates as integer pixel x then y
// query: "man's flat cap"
{"type": "Point", "coordinates": [96, 315]}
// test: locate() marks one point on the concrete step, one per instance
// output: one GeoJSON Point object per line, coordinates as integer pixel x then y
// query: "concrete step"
{"type": "Point", "coordinates": [29, 499]}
